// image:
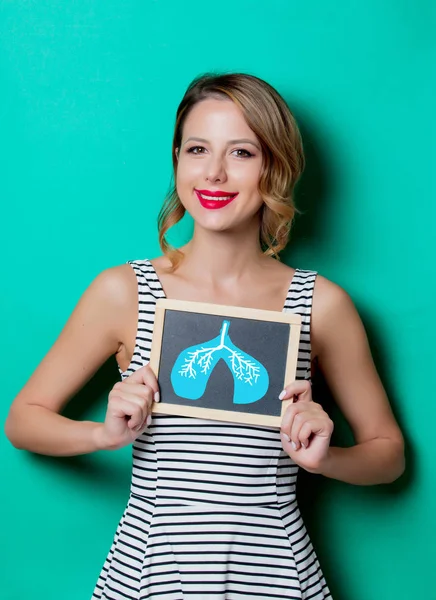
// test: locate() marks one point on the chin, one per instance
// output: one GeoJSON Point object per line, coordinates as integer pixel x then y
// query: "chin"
{"type": "Point", "coordinates": [214, 225]}
{"type": "Point", "coordinates": [225, 225]}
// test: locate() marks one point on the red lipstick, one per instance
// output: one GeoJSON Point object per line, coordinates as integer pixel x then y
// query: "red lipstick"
{"type": "Point", "coordinates": [206, 198]}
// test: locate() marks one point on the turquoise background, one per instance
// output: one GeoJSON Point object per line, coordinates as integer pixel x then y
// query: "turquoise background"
{"type": "Point", "coordinates": [88, 96]}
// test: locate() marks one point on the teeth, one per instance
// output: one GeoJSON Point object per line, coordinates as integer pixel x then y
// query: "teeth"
{"type": "Point", "coordinates": [216, 197]}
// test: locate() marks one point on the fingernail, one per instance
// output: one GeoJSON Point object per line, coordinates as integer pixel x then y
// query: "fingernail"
{"type": "Point", "coordinates": [286, 436]}
{"type": "Point", "coordinates": [148, 420]}
{"type": "Point", "coordinates": [304, 445]}
{"type": "Point", "coordinates": [294, 445]}
{"type": "Point", "coordinates": [282, 395]}
{"type": "Point", "coordinates": [157, 397]}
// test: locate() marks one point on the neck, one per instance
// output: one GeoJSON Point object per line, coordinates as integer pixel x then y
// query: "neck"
{"type": "Point", "coordinates": [222, 255]}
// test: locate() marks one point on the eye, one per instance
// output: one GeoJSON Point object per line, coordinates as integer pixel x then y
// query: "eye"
{"type": "Point", "coordinates": [241, 153]}
{"type": "Point", "coordinates": [196, 150]}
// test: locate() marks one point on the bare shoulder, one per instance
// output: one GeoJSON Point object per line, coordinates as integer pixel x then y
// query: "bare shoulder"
{"type": "Point", "coordinates": [116, 284]}
{"type": "Point", "coordinates": [328, 297]}
{"type": "Point", "coordinates": [115, 290]}
{"type": "Point", "coordinates": [108, 305]}
{"type": "Point", "coordinates": [333, 312]}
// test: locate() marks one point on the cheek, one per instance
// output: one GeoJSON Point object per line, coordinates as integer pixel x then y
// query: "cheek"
{"type": "Point", "coordinates": [187, 173]}
{"type": "Point", "coordinates": [247, 175]}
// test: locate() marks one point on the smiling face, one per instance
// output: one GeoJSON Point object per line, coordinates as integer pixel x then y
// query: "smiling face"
{"type": "Point", "coordinates": [219, 166]}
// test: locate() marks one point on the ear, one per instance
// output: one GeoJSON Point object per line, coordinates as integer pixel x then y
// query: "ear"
{"type": "Point", "coordinates": [176, 152]}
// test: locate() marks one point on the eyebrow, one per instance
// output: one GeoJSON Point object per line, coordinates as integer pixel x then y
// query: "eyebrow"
{"type": "Point", "coordinates": [241, 141]}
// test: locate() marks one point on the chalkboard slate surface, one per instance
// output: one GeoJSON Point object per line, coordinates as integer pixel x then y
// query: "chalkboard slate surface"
{"type": "Point", "coordinates": [222, 362]}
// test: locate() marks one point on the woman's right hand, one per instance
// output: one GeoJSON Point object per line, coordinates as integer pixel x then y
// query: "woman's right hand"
{"type": "Point", "coordinates": [129, 409]}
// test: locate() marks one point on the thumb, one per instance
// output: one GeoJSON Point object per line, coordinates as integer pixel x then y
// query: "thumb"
{"type": "Point", "coordinates": [300, 389]}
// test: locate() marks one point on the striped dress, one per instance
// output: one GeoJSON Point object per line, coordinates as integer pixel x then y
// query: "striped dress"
{"type": "Point", "coordinates": [212, 511]}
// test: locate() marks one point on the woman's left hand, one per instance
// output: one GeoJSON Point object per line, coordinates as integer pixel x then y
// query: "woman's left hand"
{"type": "Point", "coordinates": [306, 428]}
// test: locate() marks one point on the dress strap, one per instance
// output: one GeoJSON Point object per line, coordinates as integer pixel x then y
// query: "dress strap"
{"type": "Point", "coordinates": [149, 290]}
{"type": "Point", "coordinates": [299, 301]}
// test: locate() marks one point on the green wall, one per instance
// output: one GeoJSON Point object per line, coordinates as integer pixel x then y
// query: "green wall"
{"type": "Point", "coordinates": [88, 95]}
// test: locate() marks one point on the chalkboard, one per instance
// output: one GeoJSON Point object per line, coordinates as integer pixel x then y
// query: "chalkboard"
{"type": "Point", "coordinates": [221, 362]}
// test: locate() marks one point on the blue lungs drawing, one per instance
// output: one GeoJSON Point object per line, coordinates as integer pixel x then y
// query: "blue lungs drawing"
{"type": "Point", "coordinates": [193, 367]}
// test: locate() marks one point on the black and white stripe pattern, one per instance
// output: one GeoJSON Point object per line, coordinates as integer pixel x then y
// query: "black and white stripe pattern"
{"type": "Point", "coordinates": [212, 512]}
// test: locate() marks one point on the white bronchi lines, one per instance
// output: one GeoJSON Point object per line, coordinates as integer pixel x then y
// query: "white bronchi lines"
{"type": "Point", "coordinates": [243, 368]}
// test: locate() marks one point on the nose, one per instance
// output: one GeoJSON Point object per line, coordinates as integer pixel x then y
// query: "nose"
{"type": "Point", "coordinates": [215, 170]}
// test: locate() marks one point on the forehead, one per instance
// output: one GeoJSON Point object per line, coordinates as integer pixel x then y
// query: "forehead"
{"type": "Point", "coordinates": [218, 118]}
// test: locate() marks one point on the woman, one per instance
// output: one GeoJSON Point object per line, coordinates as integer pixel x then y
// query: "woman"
{"type": "Point", "coordinates": [212, 511]}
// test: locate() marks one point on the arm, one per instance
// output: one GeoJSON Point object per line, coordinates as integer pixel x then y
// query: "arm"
{"type": "Point", "coordinates": [96, 330]}
{"type": "Point", "coordinates": [341, 345]}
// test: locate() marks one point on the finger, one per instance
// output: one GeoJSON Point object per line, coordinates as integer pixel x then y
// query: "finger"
{"type": "Point", "coordinates": [298, 390]}
{"type": "Point", "coordinates": [287, 444]}
{"type": "Point", "coordinates": [146, 376]}
{"type": "Point", "coordinates": [145, 424]}
{"type": "Point", "coordinates": [315, 426]}
{"type": "Point", "coordinates": [143, 398]}
{"type": "Point", "coordinates": [290, 413]}
{"type": "Point", "coordinates": [286, 427]}
{"type": "Point", "coordinates": [301, 431]}
{"type": "Point", "coordinates": [300, 421]}
{"type": "Point", "coordinates": [128, 390]}
{"type": "Point", "coordinates": [136, 389]}
{"type": "Point", "coordinates": [304, 434]}
{"type": "Point", "coordinates": [122, 408]}
{"type": "Point", "coordinates": [145, 409]}
{"type": "Point", "coordinates": [307, 418]}
{"type": "Point", "coordinates": [144, 403]}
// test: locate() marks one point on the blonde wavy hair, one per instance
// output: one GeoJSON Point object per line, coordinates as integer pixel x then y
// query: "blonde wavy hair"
{"type": "Point", "coordinates": [269, 117]}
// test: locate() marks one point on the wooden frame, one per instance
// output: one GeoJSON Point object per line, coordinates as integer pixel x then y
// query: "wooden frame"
{"type": "Point", "coordinates": [294, 320]}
